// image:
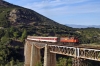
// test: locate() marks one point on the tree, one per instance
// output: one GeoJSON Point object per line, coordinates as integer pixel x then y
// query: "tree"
{"type": "Point", "coordinates": [11, 30]}
{"type": "Point", "coordinates": [16, 34]}
{"type": "Point", "coordinates": [12, 62]}
{"type": "Point", "coordinates": [7, 34]}
{"type": "Point", "coordinates": [24, 35]}
{"type": "Point", "coordinates": [62, 62]}
{"type": "Point", "coordinates": [1, 32]}
{"type": "Point", "coordinates": [5, 40]}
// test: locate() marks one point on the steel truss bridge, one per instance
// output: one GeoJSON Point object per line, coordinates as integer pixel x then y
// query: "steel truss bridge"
{"type": "Point", "coordinates": [86, 53]}
{"type": "Point", "coordinates": [32, 48]}
{"type": "Point", "coordinates": [77, 53]}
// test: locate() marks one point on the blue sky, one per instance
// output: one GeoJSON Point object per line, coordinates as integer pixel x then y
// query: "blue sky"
{"type": "Point", "coordinates": [79, 12]}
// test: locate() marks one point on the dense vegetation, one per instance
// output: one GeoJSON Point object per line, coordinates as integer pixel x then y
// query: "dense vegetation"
{"type": "Point", "coordinates": [17, 22]}
{"type": "Point", "coordinates": [89, 35]}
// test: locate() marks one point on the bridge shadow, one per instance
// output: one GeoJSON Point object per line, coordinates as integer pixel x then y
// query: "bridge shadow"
{"type": "Point", "coordinates": [42, 55]}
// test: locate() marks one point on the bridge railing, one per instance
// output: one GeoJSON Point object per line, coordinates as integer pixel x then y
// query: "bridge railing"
{"type": "Point", "coordinates": [92, 54]}
{"type": "Point", "coordinates": [70, 51]}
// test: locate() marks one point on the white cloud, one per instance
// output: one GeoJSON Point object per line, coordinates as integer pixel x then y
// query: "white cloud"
{"type": "Point", "coordinates": [53, 3]}
{"type": "Point", "coordinates": [63, 7]}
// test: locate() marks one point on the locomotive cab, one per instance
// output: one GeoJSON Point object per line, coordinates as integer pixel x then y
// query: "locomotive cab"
{"type": "Point", "coordinates": [69, 40]}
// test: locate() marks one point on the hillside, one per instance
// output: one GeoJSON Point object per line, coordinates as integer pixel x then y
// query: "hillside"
{"type": "Point", "coordinates": [89, 35]}
{"type": "Point", "coordinates": [16, 23]}
{"type": "Point", "coordinates": [19, 17]}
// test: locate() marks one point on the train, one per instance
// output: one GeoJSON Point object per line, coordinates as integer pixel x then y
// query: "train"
{"type": "Point", "coordinates": [64, 40]}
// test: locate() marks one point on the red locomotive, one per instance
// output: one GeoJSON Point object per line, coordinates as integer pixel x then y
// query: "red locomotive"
{"type": "Point", "coordinates": [68, 40]}
{"type": "Point", "coordinates": [64, 40]}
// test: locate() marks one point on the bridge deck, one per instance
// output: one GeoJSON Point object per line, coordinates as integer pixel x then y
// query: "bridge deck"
{"type": "Point", "coordinates": [88, 46]}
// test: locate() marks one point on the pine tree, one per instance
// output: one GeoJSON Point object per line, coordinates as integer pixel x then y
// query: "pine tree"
{"type": "Point", "coordinates": [24, 35]}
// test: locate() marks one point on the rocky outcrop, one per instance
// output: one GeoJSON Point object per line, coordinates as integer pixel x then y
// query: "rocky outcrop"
{"type": "Point", "coordinates": [13, 16]}
{"type": "Point", "coordinates": [17, 16]}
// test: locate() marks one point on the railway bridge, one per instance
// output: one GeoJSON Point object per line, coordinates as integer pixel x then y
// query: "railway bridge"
{"type": "Point", "coordinates": [33, 56]}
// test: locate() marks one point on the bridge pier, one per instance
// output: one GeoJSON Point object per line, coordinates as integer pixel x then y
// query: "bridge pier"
{"type": "Point", "coordinates": [35, 56]}
{"type": "Point", "coordinates": [27, 53]}
{"type": "Point", "coordinates": [32, 55]}
{"type": "Point", "coordinates": [49, 58]}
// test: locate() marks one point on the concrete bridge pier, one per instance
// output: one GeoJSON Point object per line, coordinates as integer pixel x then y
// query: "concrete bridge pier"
{"type": "Point", "coordinates": [35, 56]}
{"type": "Point", "coordinates": [27, 53]}
{"type": "Point", "coordinates": [32, 54]}
{"type": "Point", "coordinates": [49, 58]}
